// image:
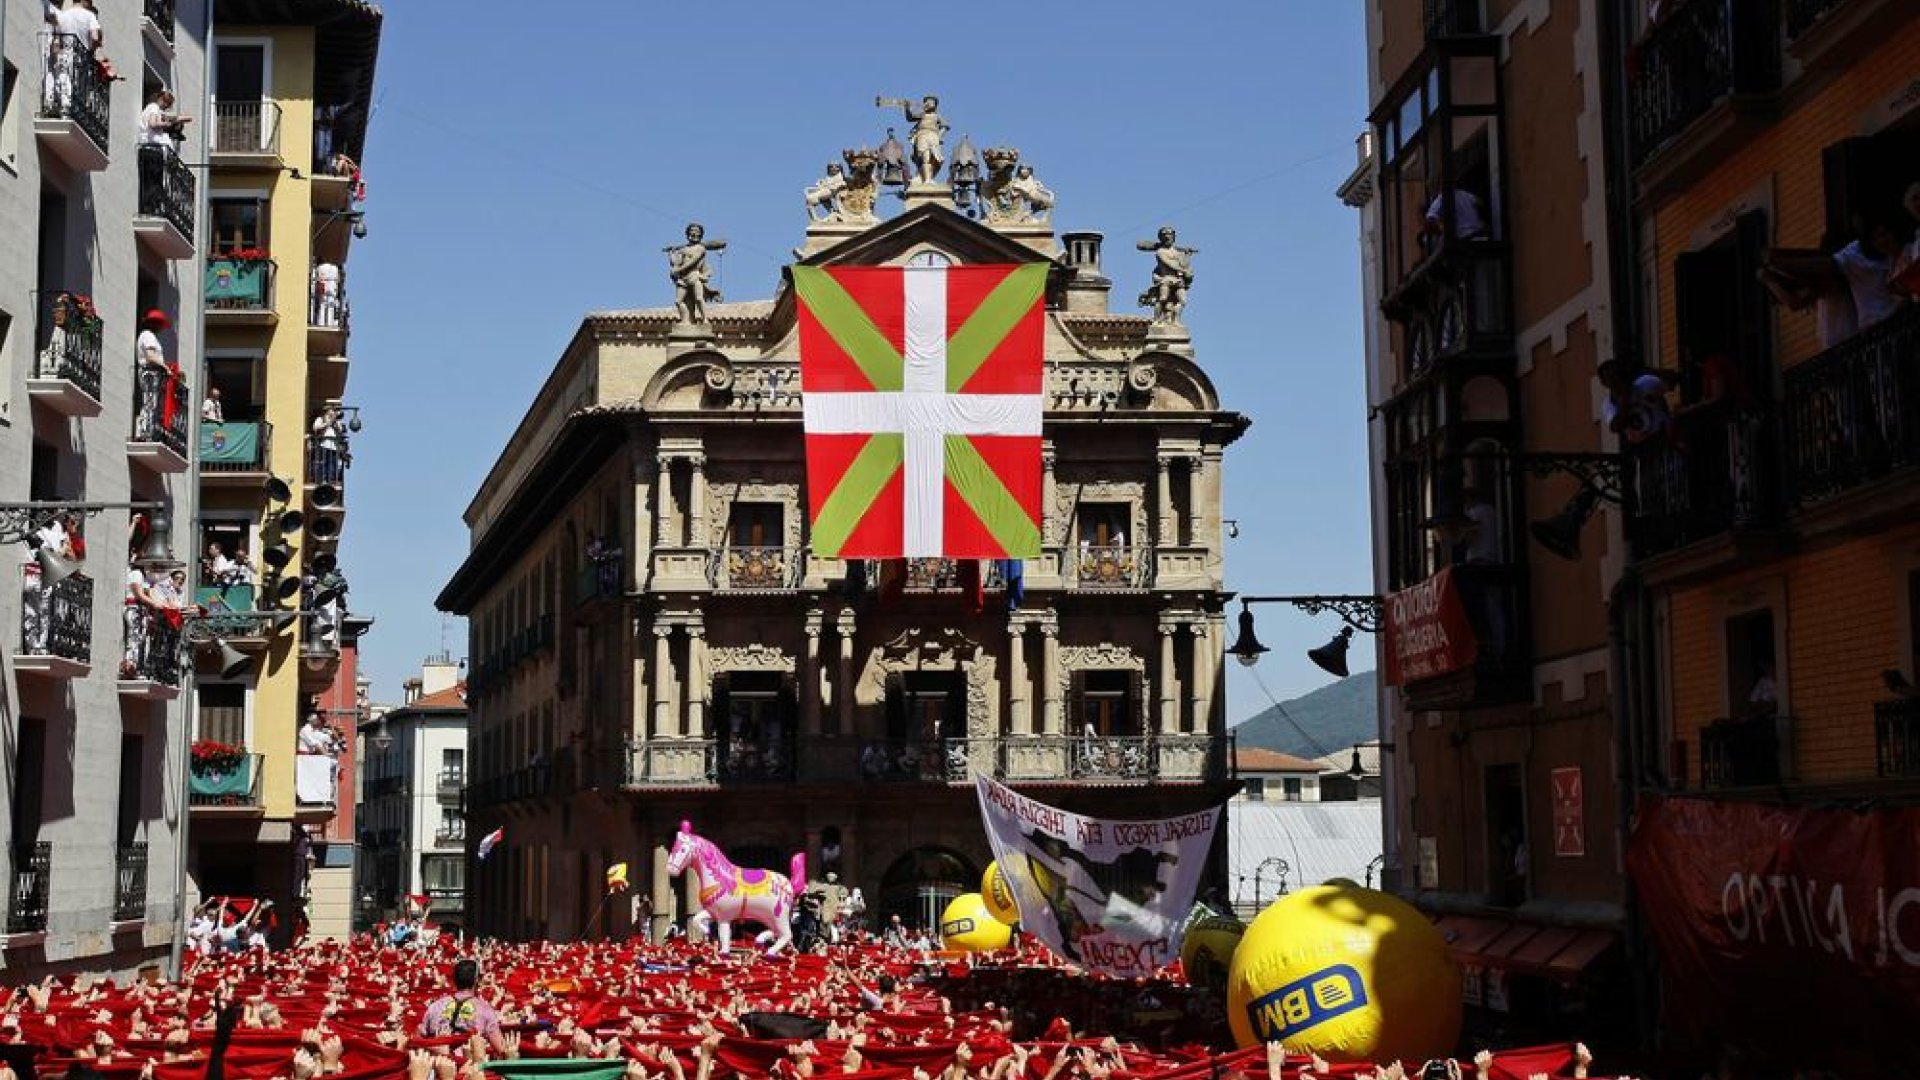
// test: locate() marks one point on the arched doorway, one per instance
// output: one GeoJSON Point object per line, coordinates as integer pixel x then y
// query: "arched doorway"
{"type": "Point", "coordinates": [920, 884]}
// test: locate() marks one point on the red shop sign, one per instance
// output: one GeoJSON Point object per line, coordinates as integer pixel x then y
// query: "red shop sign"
{"type": "Point", "coordinates": [1427, 631]}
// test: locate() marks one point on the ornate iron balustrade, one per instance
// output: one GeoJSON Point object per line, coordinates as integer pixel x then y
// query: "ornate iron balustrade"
{"type": "Point", "coordinates": [153, 647]}
{"type": "Point", "coordinates": [1708, 475]}
{"type": "Point", "coordinates": [72, 349]}
{"type": "Point", "coordinates": [239, 285]}
{"type": "Point", "coordinates": [451, 782]}
{"type": "Point", "coordinates": [73, 88]}
{"type": "Point", "coordinates": [1740, 753]}
{"type": "Point", "coordinates": [238, 788]}
{"type": "Point", "coordinates": [160, 14]}
{"type": "Point", "coordinates": [1704, 51]}
{"type": "Point", "coordinates": [754, 568]}
{"type": "Point", "coordinates": [1113, 566]}
{"type": "Point", "coordinates": [160, 414]}
{"type": "Point", "coordinates": [328, 461]}
{"type": "Point", "coordinates": [675, 763]}
{"type": "Point", "coordinates": [27, 892]}
{"type": "Point", "coordinates": [915, 760]}
{"type": "Point", "coordinates": [56, 619]}
{"type": "Point", "coordinates": [130, 882]}
{"type": "Point", "coordinates": [1896, 737]}
{"type": "Point", "coordinates": [1853, 412]}
{"type": "Point", "coordinates": [167, 188]}
{"type": "Point", "coordinates": [600, 579]}
{"type": "Point", "coordinates": [246, 127]}
{"type": "Point", "coordinates": [756, 760]}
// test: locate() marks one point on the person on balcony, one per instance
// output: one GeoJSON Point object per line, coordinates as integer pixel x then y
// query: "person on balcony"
{"type": "Point", "coordinates": [1469, 220]}
{"type": "Point", "coordinates": [158, 377]}
{"type": "Point", "coordinates": [211, 411]}
{"type": "Point", "coordinates": [1636, 400]}
{"type": "Point", "coordinates": [326, 294]}
{"type": "Point", "coordinates": [329, 446]}
{"type": "Point", "coordinates": [224, 571]}
{"type": "Point", "coordinates": [316, 737]}
{"type": "Point", "coordinates": [76, 34]}
{"type": "Point", "coordinates": [161, 130]}
{"type": "Point", "coordinates": [1866, 265]}
{"type": "Point", "coordinates": [140, 608]}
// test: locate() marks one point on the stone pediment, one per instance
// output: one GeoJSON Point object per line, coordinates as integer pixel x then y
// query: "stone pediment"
{"type": "Point", "coordinates": [966, 240]}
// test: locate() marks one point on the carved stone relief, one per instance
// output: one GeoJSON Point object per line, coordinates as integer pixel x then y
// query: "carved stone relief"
{"type": "Point", "coordinates": [722, 494]}
{"type": "Point", "coordinates": [946, 649]}
{"type": "Point", "coordinates": [1105, 656]}
{"type": "Point", "coordinates": [753, 657]}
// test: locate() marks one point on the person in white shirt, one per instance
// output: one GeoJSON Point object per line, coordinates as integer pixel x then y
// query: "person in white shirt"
{"type": "Point", "coordinates": [1867, 266]}
{"type": "Point", "coordinates": [154, 375]}
{"type": "Point", "coordinates": [328, 450]}
{"type": "Point", "coordinates": [326, 294]}
{"type": "Point", "coordinates": [210, 411]}
{"type": "Point", "coordinates": [1469, 218]}
{"type": "Point", "coordinates": [316, 737]}
{"type": "Point", "coordinates": [160, 129]}
{"type": "Point", "coordinates": [76, 34]}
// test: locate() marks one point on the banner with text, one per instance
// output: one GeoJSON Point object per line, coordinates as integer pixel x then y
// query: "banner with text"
{"type": "Point", "coordinates": [1428, 634]}
{"type": "Point", "coordinates": [1798, 927]}
{"type": "Point", "coordinates": [1110, 896]}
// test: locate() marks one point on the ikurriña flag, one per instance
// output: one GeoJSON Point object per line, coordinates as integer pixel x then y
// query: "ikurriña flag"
{"type": "Point", "coordinates": [922, 391]}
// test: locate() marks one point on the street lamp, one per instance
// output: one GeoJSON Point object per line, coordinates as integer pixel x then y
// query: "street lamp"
{"type": "Point", "coordinates": [382, 739]}
{"type": "Point", "coordinates": [1358, 612]}
{"type": "Point", "coordinates": [1281, 869]}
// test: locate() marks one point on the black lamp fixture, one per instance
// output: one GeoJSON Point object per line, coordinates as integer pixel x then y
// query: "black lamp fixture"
{"type": "Point", "coordinates": [382, 739]}
{"type": "Point", "coordinates": [1247, 649]}
{"type": "Point", "coordinates": [1358, 612]}
{"type": "Point", "coordinates": [1332, 657]}
{"type": "Point", "coordinates": [1560, 533]}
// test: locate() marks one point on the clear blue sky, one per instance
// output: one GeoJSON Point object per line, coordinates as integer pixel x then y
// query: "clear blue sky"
{"type": "Point", "coordinates": [523, 171]}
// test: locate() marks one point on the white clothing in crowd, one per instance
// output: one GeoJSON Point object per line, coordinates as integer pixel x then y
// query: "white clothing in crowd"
{"type": "Point", "coordinates": [1867, 273]}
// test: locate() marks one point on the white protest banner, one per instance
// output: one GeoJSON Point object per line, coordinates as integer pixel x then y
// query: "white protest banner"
{"type": "Point", "coordinates": [1110, 896]}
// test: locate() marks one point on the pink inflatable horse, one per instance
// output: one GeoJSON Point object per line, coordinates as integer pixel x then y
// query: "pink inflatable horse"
{"type": "Point", "coordinates": [729, 892]}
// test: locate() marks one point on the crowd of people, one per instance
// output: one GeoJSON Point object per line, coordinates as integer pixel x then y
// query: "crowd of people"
{"type": "Point", "coordinates": [363, 1009]}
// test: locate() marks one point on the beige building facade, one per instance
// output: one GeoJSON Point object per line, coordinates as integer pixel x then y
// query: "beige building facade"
{"type": "Point", "coordinates": [652, 639]}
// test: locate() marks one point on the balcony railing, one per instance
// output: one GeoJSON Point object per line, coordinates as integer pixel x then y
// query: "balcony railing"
{"type": "Point", "coordinates": [56, 619]}
{"type": "Point", "coordinates": [327, 461]}
{"type": "Point", "coordinates": [166, 188]}
{"type": "Point", "coordinates": [160, 14]}
{"type": "Point", "coordinates": [160, 414]}
{"type": "Point", "coordinates": [235, 446]}
{"type": "Point", "coordinates": [73, 88]}
{"type": "Point", "coordinates": [72, 348]}
{"type": "Point", "coordinates": [600, 579]}
{"type": "Point", "coordinates": [1112, 566]}
{"type": "Point", "coordinates": [1705, 51]}
{"type": "Point", "coordinates": [1740, 753]}
{"type": "Point", "coordinates": [327, 302]}
{"type": "Point", "coordinates": [246, 127]}
{"type": "Point", "coordinates": [1896, 737]}
{"type": "Point", "coordinates": [1708, 475]}
{"type": "Point", "coordinates": [676, 763]}
{"type": "Point", "coordinates": [27, 892]}
{"type": "Point", "coordinates": [450, 834]}
{"type": "Point", "coordinates": [238, 787]}
{"type": "Point", "coordinates": [239, 285]}
{"type": "Point", "coordinates": [755, 760]}
{"type": "Point", "coordinates": [451, 782]}
{"type": "Point", "coordinates": [1853, 412]}
{"type": "Point", "coordinates": [153, 647]}
{"type": "Point", "coordinates": [754, 568]}
{"type": "Point", "coordinates": [130, 882]}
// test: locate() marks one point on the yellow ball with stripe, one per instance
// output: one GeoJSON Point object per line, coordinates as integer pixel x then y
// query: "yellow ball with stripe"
{"type": "Point", "coordinates": [967, 926]}
{"type": "Point", "coordinates": [1207, 948]}
{"type": "Point", "coordinates": [999, 895]}
{"type": "Point", "coordinates": [1351, 974]}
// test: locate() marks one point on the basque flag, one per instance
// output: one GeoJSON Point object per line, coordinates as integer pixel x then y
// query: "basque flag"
{"type": "Point", "coordinates": [922, 393]}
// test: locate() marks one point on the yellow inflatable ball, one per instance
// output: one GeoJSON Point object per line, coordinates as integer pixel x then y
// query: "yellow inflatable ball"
{"type": "Point", "coordinates": [1207, 948]}
{"type": "Point", "coordinates": [998, 894]}
{"type": "Point", "coordinates": [1351, 974]}
{"type": "Point", "coordinates": [967, 926]}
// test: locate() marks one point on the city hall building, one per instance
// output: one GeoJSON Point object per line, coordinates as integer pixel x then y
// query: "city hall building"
{"type": "Point", "coordinates": [652, 638]}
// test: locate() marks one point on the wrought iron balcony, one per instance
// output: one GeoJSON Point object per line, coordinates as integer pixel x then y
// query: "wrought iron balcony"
{"type": "Point", "coordinates": [1741, 753]}
{"type": "Point", "coordinates": [1113, 566]}
{"type": "Point", "coordinates": [452, 782]}
{"type": "Point", "coordinates": [1708, 475]}
{"type": "Point", "coordinates": [451, 834]}
{"type": "Point", "coordinates": [327, 303]}
{"type": "Point", "coordinates": [1853, 412]}
{"type": "Point", "coordinates": [73, 88]}
{"type": "Point", "coordinates": [1105, 759]}
{"type": "Point", "coordinates": [27, 892]}
{"type": "Point", "coordinates": [237, 788]}
{"type": "Point", "coordinates": [670, 763]}
{"type": "Point", "coordinates": [239, 285]}
{"type": "Point", "coordinates": [235, 446]}
{"type": "Point", "coordinates": [160, 14]}
{"type": "Point", "coordinates": [915, 760]}
{"type": "Point", "coordinates": [71, 347]}
{"type": "Point", "coordinates": [130, 882]}
{"type": "Point", "coordinates": [245, 129]}
{"type": "Point", "coordinates": [167, 192]}
{"type": "Point", "coordinates": [1704, 52]}
{"type": "Point", "coordinates": [755, 760]}
{"type": "Point", "coordinates": [600, 579]}
{"type": "Point", "coordinates": [153, 648]}
{"type": "Point", "coordinates": [56, 619]}
{"type": "Point", "coordinates": [160, 412]}
{"type": "Point", "coordinates": [754, 568]}
{"type": "Point", "coordinates": [1896, 737]}
{"type": "Point", "coordinates": [327, 461]}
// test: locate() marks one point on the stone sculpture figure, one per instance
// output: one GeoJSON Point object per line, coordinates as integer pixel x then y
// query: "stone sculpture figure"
{"type": "Point", "coordinates": [1010, 192]}
{"type": "Point", "coordinates": [847, 192]}
{"type": "Point", "coordinates": [1172, 276]}
{"type": "Point", "coordinates": [824, 194]}
{"type": "Point", "coordinates": [692, 275]}
{"type": "Point", "coordinates": [929, 134]}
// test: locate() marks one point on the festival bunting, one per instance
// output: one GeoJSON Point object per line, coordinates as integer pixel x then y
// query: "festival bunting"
{"type": "Point", "coordinates": [922, 393]}
{"type": "Point", "coordinates": [1111, 896]}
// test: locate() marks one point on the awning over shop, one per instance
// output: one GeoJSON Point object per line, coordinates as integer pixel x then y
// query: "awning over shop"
{"type": "Point", "coordinates": [1553, 952]}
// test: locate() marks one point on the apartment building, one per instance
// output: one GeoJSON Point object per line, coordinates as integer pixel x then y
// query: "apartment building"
{"type": "Point", "coordinates": [413, 823]}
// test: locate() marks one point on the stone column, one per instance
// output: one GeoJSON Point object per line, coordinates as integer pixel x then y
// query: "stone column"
{"type": "Point", "coordinates": [666, 908]}
{"type": "Point", "coordinates": [663, 502]}
{"type": "Point", "coordinates": [664, 722]}
{"type": "Point", "coordinates": [1052, 716]}
{"type": "Point", "coordinates": [1201, 688]}
{"type": "Point", "coordinates": [843, 684]}
{"type": "Point", "coordinates": [1020, 691]}
{"type": "Point", "coordinates": [697, 682]}
{"type": "Point", "coordinates": [1169, 704]}
{"type": "Point", "coordinates": [1163, 531]}
{"type": "Point", "coordinates": [1046, 490]}
{"type": "Point", "coordinates": [810, 677]}
{"type": "Point", "coordinates": [697, 502]}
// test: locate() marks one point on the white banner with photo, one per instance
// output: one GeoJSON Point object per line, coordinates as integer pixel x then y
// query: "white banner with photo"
{"type": "Point", "coordinates": [1108, 895]}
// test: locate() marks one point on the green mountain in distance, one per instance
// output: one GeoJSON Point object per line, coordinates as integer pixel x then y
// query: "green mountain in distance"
{"type": "Point", "coordinates": [1336, 716]}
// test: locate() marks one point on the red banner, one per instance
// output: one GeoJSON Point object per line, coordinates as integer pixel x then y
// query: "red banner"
{"type": "Point", "coordinates": [1795, 931]}
{"type": "Point", "coordinates": [1427, 632]}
